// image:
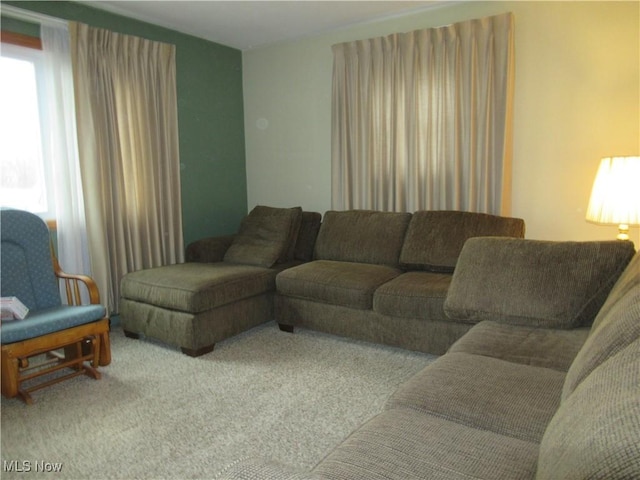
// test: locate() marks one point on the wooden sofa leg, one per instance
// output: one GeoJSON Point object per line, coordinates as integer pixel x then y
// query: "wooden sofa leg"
{"type": "Point", "coordinates": [196, 352]}
{"type": "Point", "coordinates": [286, 328]}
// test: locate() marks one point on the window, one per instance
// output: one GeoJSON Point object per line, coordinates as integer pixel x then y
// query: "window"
{"type": "Point", "coordinates": [25, 173]}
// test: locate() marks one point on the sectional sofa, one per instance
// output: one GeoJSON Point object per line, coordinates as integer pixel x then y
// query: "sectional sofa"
{"type": "Point", "coordinates": [539, 375]}
{"type": "Point", "coordinates": [377, 276]}
{"type": "Point", "coordinates": [544, 385]}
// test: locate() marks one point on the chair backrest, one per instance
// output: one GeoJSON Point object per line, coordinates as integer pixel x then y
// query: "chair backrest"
{"type": "Point", "coordinates": [26, 266]}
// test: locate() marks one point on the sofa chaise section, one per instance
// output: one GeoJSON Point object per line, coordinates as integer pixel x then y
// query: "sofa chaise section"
{"type": "Point", "coordinates": [226, 286]}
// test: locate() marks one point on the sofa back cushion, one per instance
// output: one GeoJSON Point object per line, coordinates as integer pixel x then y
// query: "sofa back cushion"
{"type": "Point", "coordinates": [534, 282]}
{"type": "Point", "coordinates": [307, 235]}
{"type": "Point", "coordinates": [435, 239]}
{"type": "Point", "coordinates": [267, 236]}
{"type": "Point", "coordinates": [616, 326]}
{"type": "Point", "coordinates": [594, 433]}
{"type": "Point", "coordinates": [363, 236]}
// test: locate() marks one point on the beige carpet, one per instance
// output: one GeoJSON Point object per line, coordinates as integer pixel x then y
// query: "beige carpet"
{"type": "Point", "coordinates": [157, 413]}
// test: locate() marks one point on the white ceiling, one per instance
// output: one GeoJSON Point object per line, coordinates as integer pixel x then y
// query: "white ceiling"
{"type": "Point", "coordinates": [250, 24]}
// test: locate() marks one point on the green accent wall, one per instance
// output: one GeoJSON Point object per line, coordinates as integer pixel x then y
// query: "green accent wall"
{"type": "Point", "coordinates": [210, 117]}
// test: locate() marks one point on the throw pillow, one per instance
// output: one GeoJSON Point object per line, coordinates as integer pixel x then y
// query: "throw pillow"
{"type": "Point", "coordinates": [267, 236]}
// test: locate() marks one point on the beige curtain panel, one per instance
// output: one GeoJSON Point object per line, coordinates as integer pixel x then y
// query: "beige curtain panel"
{"type": "Point", "coordinates": [423, 120]}
{"type": "Point", "coordinates": [128, 143]}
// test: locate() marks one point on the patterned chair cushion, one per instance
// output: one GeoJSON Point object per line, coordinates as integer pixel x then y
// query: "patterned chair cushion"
{"type": "Point", "coordinates": [26, 268]}
{"type": "Point", "coordinates": [49, 320]}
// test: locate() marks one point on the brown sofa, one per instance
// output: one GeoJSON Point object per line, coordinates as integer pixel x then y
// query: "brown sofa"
{"type": "Point", "coordinates": [383, 277]}
{"type": "Point", "coordinates": [545, 385]}
{"type": "Point", "coordinates": [226, 286]}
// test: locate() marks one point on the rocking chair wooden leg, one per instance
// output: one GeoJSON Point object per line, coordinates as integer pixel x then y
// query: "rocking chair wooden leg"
{"type": "Point", "coordinates": [105, 349]}
{"type": "Point", "coordinates": [10, 375]}
{"type": "Point", "coordinates": [79, 350]}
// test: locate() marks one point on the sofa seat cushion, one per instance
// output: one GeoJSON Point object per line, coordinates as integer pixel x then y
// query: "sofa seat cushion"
{"type": "Point", "coordinates": [335, 283]}
{"type": "Point", "coordinates": [417, 295]}
{"type": "Point", "coordinates": [197, 287]}
{"type": "Point", "coordinates": [541, 347]}
{"type": "Point", "coordinates": [49, 320]}
{"type": "Point", "coordinates": [487, 393]}
{"type": "Point", "coordinates": [404, 444]}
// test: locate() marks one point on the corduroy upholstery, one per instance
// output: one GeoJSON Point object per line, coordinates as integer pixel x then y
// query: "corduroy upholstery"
{"type": "Point", "coordinates": [445, 232]}
{"type": "Point", "coordinates": [306, 242]}
{"type": "Point", "coordinates": [518, 285]}
{"type": "Point", "coordinates": [417, 295]}
{"type": "Point", "coordinates": [347, 279]}
{"type": "Point", "coordinates": [362, 236]}
{"type": "Point", "coordinates": [617, 327]}
{"type": "Point", "coordinates": [336, 283]}
{"type": "Point", "coordinates": [421, 335]}
{"type": "Point", "coordinates": [449, 388]}
{"type": "Point", "coordinates": [536, 346]}
{"type": "Point", "coordinates": [226, 286]}
{"type": "Point", "coordinates": [404, 444]}
{"type": "Point", "coordinates": [197, 287]}
{"type": "Point", "coordinates": [267, 236]}
{"type": "Point", "coordinates": [596, 431]}
{"type": "Point", "coordinates": [510, 401]}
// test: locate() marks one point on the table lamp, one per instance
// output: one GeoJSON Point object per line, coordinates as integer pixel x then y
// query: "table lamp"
{"type": "Point", "coordinates": [615, 196]}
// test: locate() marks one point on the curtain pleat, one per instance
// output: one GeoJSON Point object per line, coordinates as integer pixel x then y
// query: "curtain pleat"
{"type": "Point", "coordinates": [127, 121]}
{"type": "Point", "coordinates": [422, 120]}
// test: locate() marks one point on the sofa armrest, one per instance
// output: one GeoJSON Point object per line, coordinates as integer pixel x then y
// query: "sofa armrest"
{"type": "Point", "coordinates": [208, 250]}
{"type": "Point", "coordinates": [263, 469]}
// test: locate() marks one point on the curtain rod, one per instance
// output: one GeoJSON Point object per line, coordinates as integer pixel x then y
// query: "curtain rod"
{"type": "Point", "coordinates": [29, 16]}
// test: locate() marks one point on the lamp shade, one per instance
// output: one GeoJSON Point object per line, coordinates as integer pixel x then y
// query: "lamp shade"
{"type": "Point", "coordinates": [615, 197]}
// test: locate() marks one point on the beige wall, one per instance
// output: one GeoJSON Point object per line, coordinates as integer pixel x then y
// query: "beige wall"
{"type": "Point", "coordinates": [577, 100]}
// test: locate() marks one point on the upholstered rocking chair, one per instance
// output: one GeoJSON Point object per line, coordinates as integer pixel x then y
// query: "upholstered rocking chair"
{"type": "Point", "coordinates": [55, 341]}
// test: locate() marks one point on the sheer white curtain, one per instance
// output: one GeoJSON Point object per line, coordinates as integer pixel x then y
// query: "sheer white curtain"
{"type": "Point", "coordinates": [62, 149]}
{"type": "Point", "coordinates": [128, 140]}
{"type": "Point", "coordinates": [422, 120]}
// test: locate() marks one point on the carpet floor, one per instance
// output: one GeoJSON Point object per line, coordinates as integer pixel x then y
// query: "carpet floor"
{"type": "Point", "coordinates": [159, 414]}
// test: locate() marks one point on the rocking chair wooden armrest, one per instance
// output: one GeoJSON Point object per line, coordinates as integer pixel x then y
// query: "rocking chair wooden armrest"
{"type": "Point", "coordinates": [72, 284]}
{"type": "Point", "coordinates": [72, 289]}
